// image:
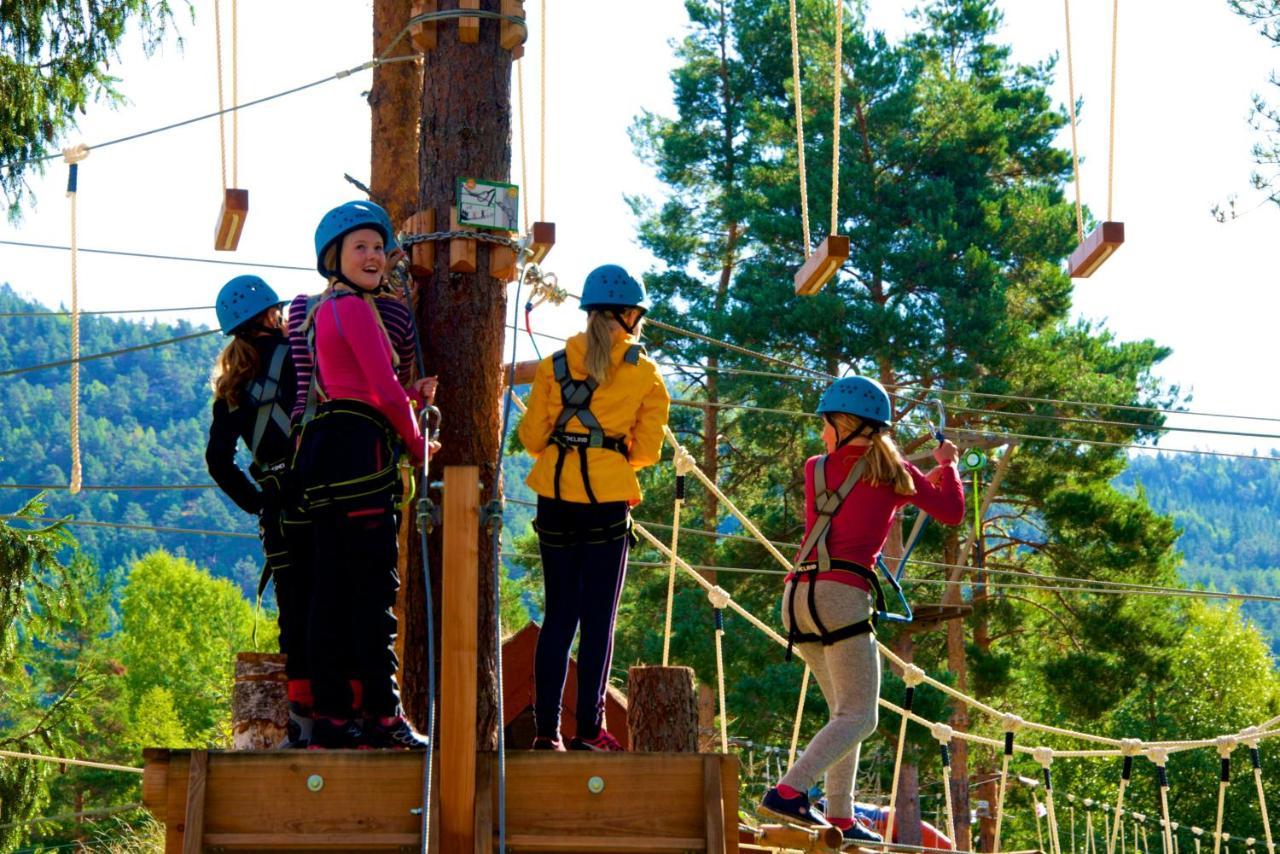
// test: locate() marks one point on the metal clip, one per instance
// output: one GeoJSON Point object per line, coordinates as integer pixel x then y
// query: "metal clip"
{"type": "Point", "coordinates": [428, 514]}
{"type": "Point", "coordinates": [491, 515]}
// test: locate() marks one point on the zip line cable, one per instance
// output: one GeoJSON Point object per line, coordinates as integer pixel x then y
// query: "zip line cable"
{"type": "Point", "coordinates": [7, 517]}
{"type": "Point", "coordinates": [148, 487]}
{"type": "Point", "coordinates": [338, 75]}
{"type": "Point", "coordinates": [156, 257]}
{"type": "Point", "coordinates": [108, 354]}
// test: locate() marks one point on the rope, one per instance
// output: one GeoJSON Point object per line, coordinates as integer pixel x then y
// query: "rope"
{"type": "Point", "coordinates": [1226, 744]}
{"type": "Point", "coordinates": [73, 156]}
{"type": "Point", "coordinates": [72, 816]}
{"type": "Point", "coordinates": [235, 99]}
{"type": "Point", "coordinates": [222, 129]}
{"type": "Point", "coordinates": [151, 256]}
{"type": "Point", "coordinates": [680, 462]}
{"type": "Point", "coordinates": [1255, 758]}
{"type": "Point", "coordinates": [10, 517]}
{"type": "Point", "coordinates": [62, 760]}
{"type": "Point", "coordinates": [943, 734]}
{"type": "Point", "coordinates": [542, 116]}
{"type": "Point", "coordinates": [1130, 748]}
{"type": "Point", "coordinates": [795, 90]}
{"type": "Point", "coordinates": [524, 162]}
{"type": "Point", "coordinates": [795, 728]}
{"type": "Point", "coordinates": [105, 355]}
{"type": "Point", "coordinates": [1111, 127]}
{"type": "Point", "coordinates": [1071, 810]}
{"type": "Point", "coordinates": [1071, 105]}
{"type": "Point", "coordinates": [1044, 755]}
{"type": "Point", "coordinates": [146, 487]}
{"type": "Point", "coordinates": [1160, 757]}
{"type": "Point", "coordinates": [719, 598]}
{"type": "Point", "coordinates": [1011, 723]}
{"type": "Point", "coordinates": [836, 87]}
{"type": "Point", "coordinates": [912, 676]}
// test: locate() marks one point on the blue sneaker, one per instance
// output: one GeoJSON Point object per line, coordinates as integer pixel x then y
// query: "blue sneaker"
{"type": "Point", "coordinates": [857, 833]}
{"type": "Point", "coordinates": [794, 810]}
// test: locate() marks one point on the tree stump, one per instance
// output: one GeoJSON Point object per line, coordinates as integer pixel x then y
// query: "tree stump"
{"type": "Point", "coordinates": [662, 709]}
{"type": "Point", "coordinates": [259, 701]}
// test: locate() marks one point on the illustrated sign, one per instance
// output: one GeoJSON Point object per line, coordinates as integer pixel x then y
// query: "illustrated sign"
{"type": "Point", "coordinates": [487, 204]}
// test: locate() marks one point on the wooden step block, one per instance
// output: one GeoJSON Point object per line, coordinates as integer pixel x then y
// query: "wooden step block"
{"type": "Point", "coordinates": [462, 250]}
{"type": "Point", "coordinates": [235, 207]}
{"type": "Point", "coordinates": [822, 265]}
{"type": "Point", "coordinates": [543, 238]}
{"type": "Point", "coordinates": [422, 256]}
{"type": "Point", "coordinates": [1096, 248]}
{"type": "Point", "coordinates": [502, 260]}
{"type": "Point", "coordinates": [469, 28]}
{"type": "Point", "coordinates": [424, 34]}
{"type": "Point", "coordinates": [512, 35]}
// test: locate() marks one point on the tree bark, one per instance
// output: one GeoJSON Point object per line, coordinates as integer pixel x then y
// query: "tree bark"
{"type": "Point", "coordinates": [259, 705]}
{"type": "Point", "coordinates": [466, 132]}
{"type": "Point", "coordinates": [662, 709]}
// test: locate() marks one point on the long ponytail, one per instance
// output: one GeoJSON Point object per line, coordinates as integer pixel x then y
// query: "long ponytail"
{"type": "Point", "coordinates": [236, 365]}
{"type": "Point", "coordinates": [885, 466]}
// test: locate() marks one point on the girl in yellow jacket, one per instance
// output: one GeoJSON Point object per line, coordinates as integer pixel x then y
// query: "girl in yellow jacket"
{"type": "Point", "coordinates": [596, 413]}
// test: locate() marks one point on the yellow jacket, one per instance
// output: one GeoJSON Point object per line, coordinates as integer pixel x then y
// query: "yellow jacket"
{"type": "Point", "coordinates": [632, 405]}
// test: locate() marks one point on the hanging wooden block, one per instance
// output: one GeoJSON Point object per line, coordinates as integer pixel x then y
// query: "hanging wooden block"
{"type": "Point", "coordinates": [1096, 248]}
{"type": "Point", "coordinates": [502, 259]}
{"type": "Point", "coordinates": [512, 35]}
{"type": "Point", "coordinates": [543, 238]}
{"type": "Point", "coordinates": [422, 256]}
{"type": "Point", "coordinates": [822, 265]}
{"type": "Point", "coordinates": [462, 250]}
{"type": "Point", "coordinates": [424, 34]}
{"type": "Point", "coordinates": [469, 28]}
{"type": "Point", "coordinates": [235, 206]}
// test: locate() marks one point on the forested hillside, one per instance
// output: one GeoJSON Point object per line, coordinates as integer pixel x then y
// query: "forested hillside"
{"type": "Point", "coordinates": [1226, 511]}
{"type": "Point", "coordinates": [143, 422]}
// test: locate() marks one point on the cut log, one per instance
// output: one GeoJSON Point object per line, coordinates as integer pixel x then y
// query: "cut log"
{"type": "Point", "coordinates": [259, 701]}
{"type": "Point", "coordinates": [662, 709]}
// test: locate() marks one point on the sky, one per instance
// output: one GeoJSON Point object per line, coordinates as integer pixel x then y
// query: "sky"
{"type": "Point", "coordinates": [1183, 143]}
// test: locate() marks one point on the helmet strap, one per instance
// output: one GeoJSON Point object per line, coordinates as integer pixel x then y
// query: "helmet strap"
{"type": "Point", "coordinates": [618, 316]}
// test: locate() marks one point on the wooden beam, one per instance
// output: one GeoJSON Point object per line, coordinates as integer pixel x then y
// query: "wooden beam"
{"type": "Point", "coordinates": [422, 256]}
{"type": "Point", "coordinates": [462, 250]}
{"type": "Point", "coordinates": [502, 260]}
{"type": "Point", "coordinates": [424, 34]}
{"type": "Point", "coordinates": [822, 265]}
{"type": "Point", "coordinates": [524, 372]}
{"type": "Point", "coordinates": [511, 35]}
{"type": "Point", "coordinates": [713, 802]}
{"type": "Point", "coordinates": [1096, 248]}
{"type": "Point", "coordinates": [193, 824]}
{"type": "Point", "coordinates": [235, 207]}
{"type": "Point", "coordinates": [458, 662]}
{"type": "Point", "coordinates": [543, 238]}
{"type": "Point", "coordinates": [775, 836]}
{"type": "Point", "coordinates": [469, 28]}
{"type": "Point", "coordinates": [485, 796]}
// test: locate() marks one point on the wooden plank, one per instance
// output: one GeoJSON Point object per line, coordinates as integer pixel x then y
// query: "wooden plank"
{"type": "Point", "coordinates": [424, 35]}
{"type": "Point", "coordinates": [524, 371]}
{"type": "Point", "coordinates": [235, 207]}
{"type": "Point", "coordinates": [822, 264]}
{"type": "Point", "coordinates": [596, 844]}
{"type": "Point", "coordinates": [729, 790]}
{"type": "Point", "coordinates": [543, 238]}
{"type": "Point", "coordinates": [469, 28]}
{"type": "Point", "coordinates": [511, 35]}
{"type": "Point", "coordinates": [486, 794]}
{"type": "Point", "coordinates": [1095, 249]}
{"type": "Point", "coordinates": [775, 836]}
{"type": "Point", "coordinates": [713, 802]}
{"type": "Point", "coordinates": [193, 825]}
{"type": "Point", "coordinates": [313, 841]}
{"type": "Point", "coordinates": [422, 256]}
{"type": "Point", "coordinates": [155, 781]}
{"type": "Point", "coordinates": [460, 611]}
{"type": "Point", "coordinates": [502, 259]}
{"type": "Point", "coordinates": [462, 250]}
{"type": "Point", "coordinates": [175, 802]}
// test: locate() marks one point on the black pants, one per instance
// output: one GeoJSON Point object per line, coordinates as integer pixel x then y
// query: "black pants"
{"type": "Point", "coordinates": [288, 559]}
{"type": "Point", "coordinates": [584, 563]}
{"type": "Point", "coordinates": [349, 484]}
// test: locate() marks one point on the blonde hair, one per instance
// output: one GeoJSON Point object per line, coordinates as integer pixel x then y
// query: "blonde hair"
{"type": "Point", "coordinates": [599, 358]}
{"type": "Point", "coordinates": [885, 466]}
{"type": "Point", "coordinates": [331, 263]}
{"type": "Point", "coordinates": [236, 365]}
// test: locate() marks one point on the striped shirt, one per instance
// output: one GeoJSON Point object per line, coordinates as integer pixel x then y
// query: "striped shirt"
{"type": "Point", "coordinates": [396, 317]}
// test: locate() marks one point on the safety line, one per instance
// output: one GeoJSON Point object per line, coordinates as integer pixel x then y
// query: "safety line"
{"type": "Point", "coordinates": [59, 760]}
{"type": "Point", "coordinates": [156, 257]}
{"type": "Point", "coordinates": [373, 63]}
{"type": "Point", "coordinates": [118, 487]}
{"type": "Point", "coordinates": [104, 312]}
{"type": "Point", "coordinates": [9, 517]}
{"type": "Point", "coordinates": [108, 354]}
{"type": "Point", "coordinates": [72, 816]}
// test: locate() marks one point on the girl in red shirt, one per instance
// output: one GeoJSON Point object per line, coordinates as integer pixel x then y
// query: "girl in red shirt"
{"type": "Point", "coordinates": [852, 495]}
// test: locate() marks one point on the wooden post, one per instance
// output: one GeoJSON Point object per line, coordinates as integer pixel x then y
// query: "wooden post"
{"type": "Point", "coordinates": [193, 825]}
{"type": "Point", "coordinates": [458, 657]}
{"type": "Point", "coordinates": [662, 709]}
{"type": "Point", "coordinates": [462, 250]}
{"type": "Point", "coordinates": [511, 34]}
{"type": "Point", "coordinates": [502, 260]}
{"type": "Point", "coordinates": [423, 35]}
{"type": "Point", "coordinates": [469, 28]}
{"type": "Point", "coordinates": [422, 256]}
{"type": "Point", "coordinates": [259, 701]}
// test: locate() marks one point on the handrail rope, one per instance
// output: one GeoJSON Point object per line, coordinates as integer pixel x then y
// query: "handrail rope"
{"type": "Point", "coordinates": [106, 354]}
{"type": "Point", "coordinates": [337, 75]}
{"type": "Point", "coordinates": [1071, 105]}
{"type": "Point", "coordinates": [795, 727]}
{"type": "Point", "coordinates": [116, 487]}
{"type": "Point", "coordinates": [62, 760]}
{"type": "Point", "coordinates": [837, 85]}
{"type": "Point", "coordinates": [1111, 126]}
{"type": "Point", "coordinates": [90, 523]}
{"type": "Point", "coordinates": [795, 96]}
{"type": "Point", "coordinates": [156, 257]}
{"type": "Point", "coordinates": [73, 156]}
{"type": "Point", "coordinates": [542, 115]}
{"type": "Point", "coordinates": [71, 816]}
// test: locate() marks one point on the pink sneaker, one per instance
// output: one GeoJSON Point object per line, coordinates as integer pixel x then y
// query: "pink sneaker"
{"type": "Point", "coordinates": [604, 742]}
{"type": "Point", "coordinates": [543, 742]}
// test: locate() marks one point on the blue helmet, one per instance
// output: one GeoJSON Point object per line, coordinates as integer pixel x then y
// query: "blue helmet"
{"type": "Point", "coordinates": [611, 286]}
{"type": "Point", "coordinates": [860, 396]}
{"type": "Point", "coordinates": [241, 300]}
{"type": "Point", "coordinates": [345, 219]}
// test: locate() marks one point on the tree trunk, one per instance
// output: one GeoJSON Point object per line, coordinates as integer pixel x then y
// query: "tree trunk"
{"type": "Point", "coordinates": [466, 132]}
{"type": "Point", "coordinates": [662, 709]}
{"type": "Point", "coordinates": [907, 803]}
{"type": "Point", "coordinates": [259, 705]}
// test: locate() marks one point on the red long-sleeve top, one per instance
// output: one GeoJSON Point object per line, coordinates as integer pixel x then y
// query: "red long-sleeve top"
{"type": "Point", "coordinates": [354, 360]}
{"type": "Point", "coordinates": [861, 525]}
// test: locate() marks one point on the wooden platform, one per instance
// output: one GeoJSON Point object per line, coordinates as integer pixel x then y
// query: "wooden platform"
{"type": "Point", "coordinates": [338, 800]}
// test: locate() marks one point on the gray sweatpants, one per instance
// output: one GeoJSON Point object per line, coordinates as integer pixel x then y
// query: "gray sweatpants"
{"type": "Point", "coordinates": [848, 672]}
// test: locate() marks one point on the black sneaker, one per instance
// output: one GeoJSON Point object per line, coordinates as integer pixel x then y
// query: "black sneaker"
{"type": "Point", "coordinates": [329, 734]}
{"type": "Point", "coordinates": [795, 810]}
{"type": "Point", "coordinates": [546, 742]}
{"type": "Point", "coordinates": [397, 735]}
{"type": "Point", "coordinates": [604, 742]}
{"type": "Point", "coordinates": [857, 833]}
{"type": "Point", "coordinates": [297, 731]}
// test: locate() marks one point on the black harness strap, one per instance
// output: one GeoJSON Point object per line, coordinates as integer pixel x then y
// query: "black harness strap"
{"type": "Point", "coordinates": [264, 393]}
{"type": "Point", "coordinates": [575, 402]}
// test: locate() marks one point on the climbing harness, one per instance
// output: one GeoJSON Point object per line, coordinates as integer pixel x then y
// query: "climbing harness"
{"type": "Point", "coordinates": [575, 400]}
{"type": "Point", "coordinates": [264, 394]}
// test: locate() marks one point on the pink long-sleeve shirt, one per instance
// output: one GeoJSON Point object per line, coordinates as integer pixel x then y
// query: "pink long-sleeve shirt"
{"type": "Point", "coordinates": [861, 525]}
{"type": "Point", "coordinates": [354, 358]}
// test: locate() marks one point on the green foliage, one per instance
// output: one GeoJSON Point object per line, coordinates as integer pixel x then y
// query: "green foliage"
{"type": "Point", "coordinates": [1265, 16]}
{"type": "Point", "coordinates": [54, 61]}
{"type": "Point", "coordinates": [25, 554]}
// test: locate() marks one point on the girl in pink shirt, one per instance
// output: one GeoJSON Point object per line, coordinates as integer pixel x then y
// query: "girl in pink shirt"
{"type": "Point", "coordinates": [851, 497]}
{"type": "Point", "coordinates": [349, 488]}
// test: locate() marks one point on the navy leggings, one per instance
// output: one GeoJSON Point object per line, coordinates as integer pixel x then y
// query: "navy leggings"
{"type": "Point", "coordinates": [584, 563]}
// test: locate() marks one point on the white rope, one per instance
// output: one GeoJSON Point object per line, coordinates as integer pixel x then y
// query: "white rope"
{"type": "Point", "coordinates": [73, 156]}
{"type": "Point", "coordinates": [795, 729]}
{"type": "Point", "coordinates": [1130, 748]}
{"type": "Point", "coordinates": [795, 89]}
{"type": "Point", "coordinates": [836, 87]}
{"type": "Point", "coordinates": [912, 676]}
{"type": "Point", "coordinates": [943, 733]}
{"type": "Point", "coordinates": [1010, 724]}
{"type": "Point", "coordinates": [62, 760]}
{"type": "Point", "coordinates": [1225, 744]}
{"type": "Point", "coordinates": [719, 599]}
